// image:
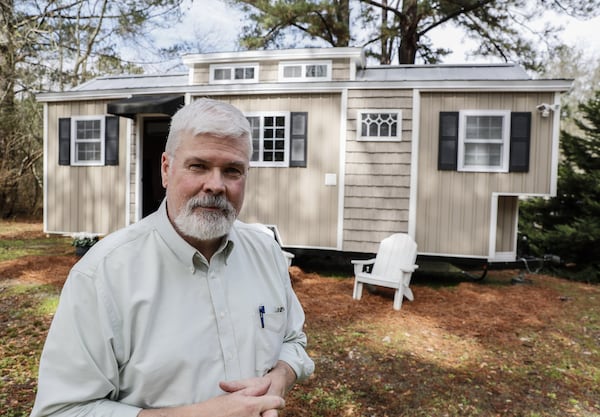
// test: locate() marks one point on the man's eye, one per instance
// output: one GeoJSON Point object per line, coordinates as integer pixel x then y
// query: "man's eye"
{"type": "Point", "coordinates": [198, 167]}
{"type": "Point", "coordinates": [233, 173]}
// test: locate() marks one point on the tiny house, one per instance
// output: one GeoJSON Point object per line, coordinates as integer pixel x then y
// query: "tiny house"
{"type": "Point", "coordinates": [345, 154]}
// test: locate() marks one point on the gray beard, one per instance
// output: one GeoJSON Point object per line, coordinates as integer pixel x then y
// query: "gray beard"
{"type": "Point", "coordinates": [204, 225]}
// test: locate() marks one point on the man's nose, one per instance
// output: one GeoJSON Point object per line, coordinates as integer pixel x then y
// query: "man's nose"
{"type": "Point", "coordinates": [214, 181]}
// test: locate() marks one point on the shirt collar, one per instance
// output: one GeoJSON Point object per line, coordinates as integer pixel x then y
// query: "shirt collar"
{"type": "Point", "coordinates": [185, 252]}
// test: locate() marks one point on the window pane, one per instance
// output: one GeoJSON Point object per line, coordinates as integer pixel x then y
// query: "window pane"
{"type": "Point", "coordinates": [484, 127]}
{"type": "Point", "coordinates": [255, 131]}
{"type": "Point", "coordinates": [382, 125]}
{"type": "Point", "coordinates": [316, 71]}
{"type": "Point", "coordinates": [238, 74]}
{"type": "Point", "coordinates": [292, 71]}
{"type": "Point", "coordinates": [88, 151]}
{"type": "Point", "coordinates": [243, 73]}
{"type": "Point", "coordinates": [88, 129]}
{"type": "Point", "coordinates": [222, 73]}
{"type": "Point", "coordinates": [483, 154]}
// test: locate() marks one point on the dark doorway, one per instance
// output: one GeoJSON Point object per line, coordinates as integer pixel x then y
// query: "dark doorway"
{"type": "Point", "coordinates": [154, 137]}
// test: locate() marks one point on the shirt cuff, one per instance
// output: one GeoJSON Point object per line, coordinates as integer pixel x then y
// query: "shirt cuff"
{"type": "Point", "coordinates": [297, 358]}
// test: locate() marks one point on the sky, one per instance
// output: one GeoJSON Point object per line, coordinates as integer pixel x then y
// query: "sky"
{"type": "Point", "coordinates": [218, 26]}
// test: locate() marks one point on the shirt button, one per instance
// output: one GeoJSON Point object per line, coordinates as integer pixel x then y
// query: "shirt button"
{"type": "Point", "coordinates": [223, 314]}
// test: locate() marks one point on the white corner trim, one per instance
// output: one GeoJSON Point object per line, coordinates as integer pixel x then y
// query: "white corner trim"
{"type": "Point", "coordinates": [555, 147]}
{"type": "Point", "coordinates": [45, 170]}
{"type": "Point", "coordinates": [342, 168]}
{"type": "Point", "coordinates": [414, 165]}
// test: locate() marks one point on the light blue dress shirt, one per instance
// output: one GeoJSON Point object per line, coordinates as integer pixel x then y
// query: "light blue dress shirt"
{"type": "Point", "coordinates": [144, 321]}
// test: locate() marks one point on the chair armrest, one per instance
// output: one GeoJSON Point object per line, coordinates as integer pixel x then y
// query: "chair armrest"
{"type": "Point", "coordinates": [409, 268]}
{"type": "Point", "coordinates": [363, 261]}
{"type": "Point", "coordinates": [360, 264]}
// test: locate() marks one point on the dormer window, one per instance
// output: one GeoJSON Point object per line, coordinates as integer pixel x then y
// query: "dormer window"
{"type": "Point", "coordinates": [230, 73]}
{"type": "Point", "coordinates": [305, 71]}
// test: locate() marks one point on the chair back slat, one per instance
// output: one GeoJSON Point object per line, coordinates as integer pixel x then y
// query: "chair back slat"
{"type": "Point", "coordinates": [395, 251]}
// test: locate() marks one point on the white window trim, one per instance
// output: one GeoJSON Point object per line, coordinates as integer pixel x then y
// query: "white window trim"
{"type": "Point", "coordinates": [462, 126]}
{"type": "Point", "coordinates": [233, 67]}
{"type": "Point", "coordinates": [396, 138]}
{"type": "Point", "coordinates": [74, 120]}
{"type": "Point", "coordinates": [286, 158]}
{"type": "Point", "coordinates": [304, 64]}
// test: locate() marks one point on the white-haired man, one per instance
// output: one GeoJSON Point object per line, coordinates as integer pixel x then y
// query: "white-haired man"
{"type": "Point", "coordinates": [187, 312]}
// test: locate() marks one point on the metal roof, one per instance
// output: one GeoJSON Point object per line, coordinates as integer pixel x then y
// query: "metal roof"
{"type": "Point", "coordinates": [449, 72]}
{"type": "Point", "coordinates": [118, 82]}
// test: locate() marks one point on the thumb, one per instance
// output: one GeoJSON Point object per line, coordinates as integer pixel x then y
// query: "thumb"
{"type": "Point", "coordinates": [252, 388]}
{"type": "Point", "coordinates": [271, 405]}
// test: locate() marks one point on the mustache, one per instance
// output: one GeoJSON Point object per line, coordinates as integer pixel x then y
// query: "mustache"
{"type": "Point", "coordinates": [209, 201]}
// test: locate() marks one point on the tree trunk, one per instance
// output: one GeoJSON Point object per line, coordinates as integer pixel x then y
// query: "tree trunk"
{"type": "Point", "coordinates": [409, 38]}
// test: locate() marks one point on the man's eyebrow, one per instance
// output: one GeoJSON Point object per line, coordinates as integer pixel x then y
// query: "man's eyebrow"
{"type": "Point", "coordinates": [196, 160]}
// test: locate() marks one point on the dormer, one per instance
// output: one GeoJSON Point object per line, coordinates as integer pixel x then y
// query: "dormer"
{"type": "Point", "coordinates": [275, 66]}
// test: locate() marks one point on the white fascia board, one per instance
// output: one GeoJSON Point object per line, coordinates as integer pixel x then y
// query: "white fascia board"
{"type": "Point", "coordinates": [113, 94]}
{"type": "Point", "coordinates": [316, 87]}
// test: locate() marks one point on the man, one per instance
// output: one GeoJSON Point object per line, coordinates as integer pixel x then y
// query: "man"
{"type": "Point", "coordinates": [187, 312]}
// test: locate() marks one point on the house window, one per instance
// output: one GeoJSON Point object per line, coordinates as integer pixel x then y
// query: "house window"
{"type": "Point", "coordinates": [483, 140]}
{"type": "Point", "coordinates": [279, 139]}
{"type": "Point", "coordinates": [87, 138]}
{"type": "Point", "coordinates": [305, 71]}
{"type": "Point", "coordinates": [379, 125]}
{"type": "Point", "coordinates": [246, 73]}
{"type": "Point", "coordinates": [270, 139]}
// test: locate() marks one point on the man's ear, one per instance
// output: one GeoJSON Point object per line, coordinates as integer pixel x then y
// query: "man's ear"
{"type": "Point", "coordinates": [165, 164]}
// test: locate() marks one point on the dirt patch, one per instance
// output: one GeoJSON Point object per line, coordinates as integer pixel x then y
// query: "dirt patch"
{"type": "Point", "coordinates": [39, 269]}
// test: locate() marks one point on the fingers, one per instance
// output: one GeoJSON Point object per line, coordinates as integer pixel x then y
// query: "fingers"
{"type": "Point", "coordinates": [271, 405]}
{"type": "Point", "coordinates": [252, 386]}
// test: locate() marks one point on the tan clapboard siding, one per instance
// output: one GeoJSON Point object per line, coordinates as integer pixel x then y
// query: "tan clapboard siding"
{"type": "Point", "coordinates": [200, 74]}
{"type": "Point", "coordinates": [454, 208]}
{"type": "Point", "coordinates": [83, 198]}
{"type": "Point", "coordinates": [340, 70]}
{"type": "Point", "coordinates": [268, 71]}
{"type": "Point", "coordinates": [296, 199]}
{"type": "Point", "coordinates": [377, 176]}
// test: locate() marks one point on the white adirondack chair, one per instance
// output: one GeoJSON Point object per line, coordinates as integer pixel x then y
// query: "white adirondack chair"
{"type": "Point", "coordinates": [265, 229]}
{"type": "Point", "coordinates": [392, 268]}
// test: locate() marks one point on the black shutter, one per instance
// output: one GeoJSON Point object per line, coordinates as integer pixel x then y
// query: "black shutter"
{"type": "Point", "coordinates": [448, 144]}
{"type": "Point", "coordinates": [64, 141]}
{"type": "Point", "coordinates": [298, 139]}
{"type": "Point", "coordinates": [111, 144]}
{"type": "Point", "coordinates": [520, 138]}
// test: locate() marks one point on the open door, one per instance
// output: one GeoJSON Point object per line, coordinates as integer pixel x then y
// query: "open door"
{"type": "Point", "coordinates": [507, 216]}
{"type": "Point", "coordinates": [154, 137]}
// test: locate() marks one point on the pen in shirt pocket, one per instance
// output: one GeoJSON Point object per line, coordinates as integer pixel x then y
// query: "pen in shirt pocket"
{"type": "Point", "coordinates": [262, 312]}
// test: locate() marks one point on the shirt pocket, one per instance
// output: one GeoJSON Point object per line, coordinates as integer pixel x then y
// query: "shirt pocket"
{"type": "Point", "coordinates": [269, 339]}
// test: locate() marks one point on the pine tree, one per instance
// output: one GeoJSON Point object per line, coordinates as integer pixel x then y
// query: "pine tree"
{"type": "Point", "coordinates": [568, 225]}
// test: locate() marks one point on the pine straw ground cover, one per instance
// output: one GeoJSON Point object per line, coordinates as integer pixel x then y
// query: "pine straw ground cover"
{"type": "Point", "coordinates": [460, 349]}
